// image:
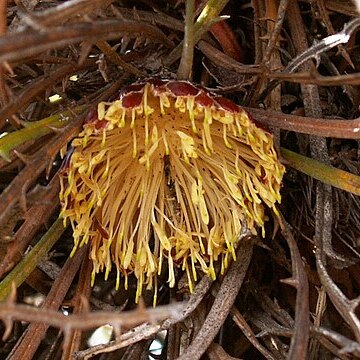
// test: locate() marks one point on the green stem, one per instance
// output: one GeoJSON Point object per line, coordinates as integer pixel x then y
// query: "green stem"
{"type": "Point", "coordinates": [24, 268]}
{"type": "Point", "coordinates": [211, 11]}
{"type": "Point", "coordinates": [186, 62]}
{"type": "Point", "coordinates": [35, 130]}
{"type": "Point", "coordinates": [206, 19]}
{"type": "Point", "coordinates": [327, 174]}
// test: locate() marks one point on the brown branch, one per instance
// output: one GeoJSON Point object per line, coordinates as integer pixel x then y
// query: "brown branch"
{"type": "Point", "coordinates": [325, 336]}
{"type": "Point", "coordinates": [312, 107]}
{"type": "Point", "coordinates": [224, 300]}
{"type": "Point", "coordinates": [221, 59]}
{"type": "Point", "coordinates": [65, 11]}
{"type": "Point", "coordinates": [343, 7]}
{"type": "Point", "coordinates": [306, 53]}
{"type": "Point", "coordinates": [201, 290]}
{"type": "Point", "coordinates": [247, 331]}
{"type": "Point", "coordinates": [258, 7]}
{"type": "Point", "coordinates": [274, 36]}
{"type": "Point", "coordinates": [216, 352]}
{"type": "Point", "coordinates": [330, 29]}
{"type": "Point", "coordinates": [344, 306]}
{"type": "Point", "coordinates": [186, 62]}
{"type": "Point", "coordinates": [34, 333]}
{"type": "Point", "coordinates": [342, 129]}
{"type": "Point", "coordinates": [25, 44]}
{"type": "Point", "coordinates": [299, 342]}
{"type": "Point", "coordinates": [144, 331]}
{"type": "Point", "coordinates": [72, 338]}
{"type": "Point", "coordinates": [35, 217]}
{"type": "Point", "coordinates": [117, 59]}
{"type": "Point", "coordinates": [133, 336]}
{"type": "Point", "coordinates": [160, 19]}
{"type": "Point", "coordinates": [315, 78]}
{"type": "Point", "coordinates": [272, 333]}
{"type": "Point", "coordinates": [346, 345]}
{"type": "Point", "coordinates": [89, 320]}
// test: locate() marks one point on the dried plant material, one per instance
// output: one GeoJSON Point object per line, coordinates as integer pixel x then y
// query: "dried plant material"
{"type": "Point", "coordinates": [85, 51]}
{"type": "Point", "coordinates": [168, 160]}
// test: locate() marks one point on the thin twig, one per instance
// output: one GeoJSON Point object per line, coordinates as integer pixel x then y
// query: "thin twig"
{"type": "Point", "coordinates": [274, 35]}
{"type": "Point", "coordinates": [224, 300]}
{"type": "Point", "coordinates": [65, 11]}
{"type": "Point", "coordinates": [37, 215]}
{"type": "Point", "coordinates": [313, 77]}
{"type": "Point", "coordinates": [342, 37]}
{"type": "Point", "coordinates": [135, 335]}
{"type": "Point", "coordinates": [72, 339]}
{"type": "Point", "coordinates": [247, 331]}
{"type": "Point", "coordinates": [221, 59]}
{"type": "Point", "coordinates": [160, 19]}
{"type": "Point", "coordinates": [342, 129]}
{"type": "Point", "coordinates": [314, 51]}
{"type": "Point", "coordinates": [345, 307]}
{"type": "Point", "coordinates": [299, 342]}
{"type": "Point", "coordinates": [25, 44]}
{"type": "Point", "coordinates": [144, 331]}
{"type": "Point", "coordinates": [326, 18]}
{"type": "Point", "coordinates": [34, 333]}
{"type": "Point", "coordinates": [116, 58]}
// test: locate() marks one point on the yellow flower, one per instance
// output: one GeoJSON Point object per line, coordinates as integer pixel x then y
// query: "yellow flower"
{"type": "Point", "coordinates": [167, 172]}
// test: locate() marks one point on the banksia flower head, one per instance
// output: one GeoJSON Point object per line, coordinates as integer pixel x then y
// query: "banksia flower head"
{"type": "Point", "coordinates": [167, 172]}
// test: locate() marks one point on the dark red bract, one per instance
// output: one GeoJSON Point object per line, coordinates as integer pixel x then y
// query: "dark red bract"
{"type": "Point", "coordinates": [182, 88]}
{"type": "Point", "coordinates": [227, 104]}
{"type": "Point", "coordinates": [91, 116]}
{"type": "Point", "coordinates": [204, 100]}
{"type": "Point", "coordinates": [131, 96]}
{"type": "Point", "coordinates": [132, 100]}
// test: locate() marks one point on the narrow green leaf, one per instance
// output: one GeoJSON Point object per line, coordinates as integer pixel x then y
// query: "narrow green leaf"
{"type": "Point", "coordinates": [327, 174]}
{"type": "Point", "coordinates": [35, 130]}
{"type": "Point", "coordinates": [22, 270]}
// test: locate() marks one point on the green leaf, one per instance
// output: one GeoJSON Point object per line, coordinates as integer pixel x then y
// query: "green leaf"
{"type": "Point", "coordinates": [327, 174]}
{"type": "Point", "coordinates": [35, 130]}
{"type": "Point", "coordinates": [24, 268]}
